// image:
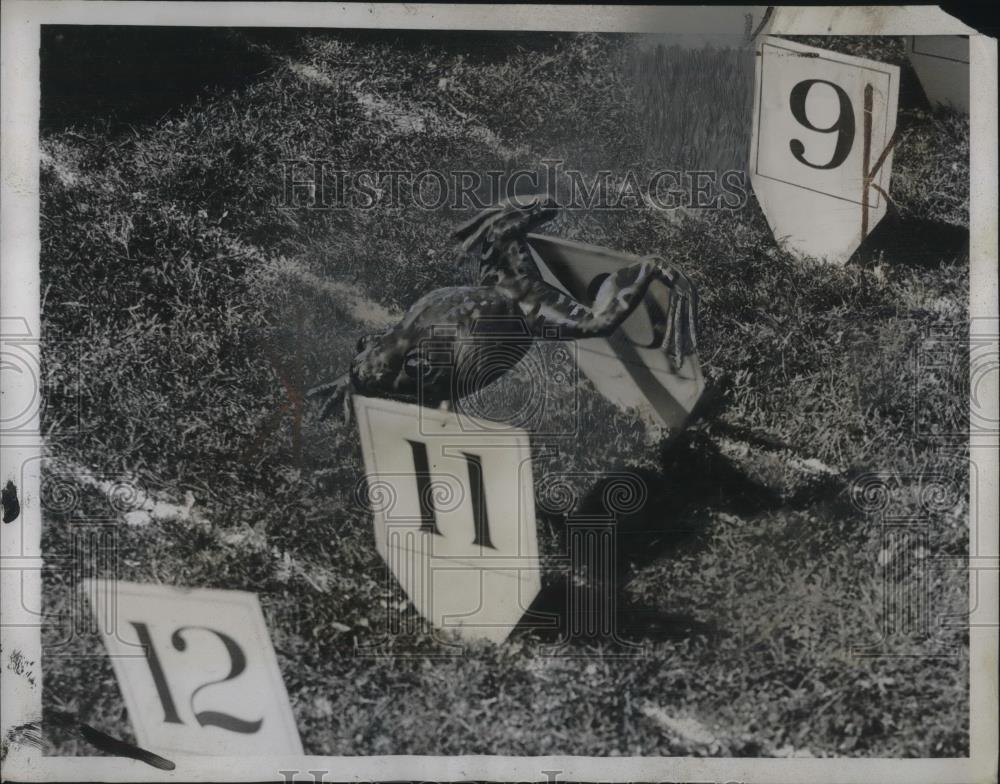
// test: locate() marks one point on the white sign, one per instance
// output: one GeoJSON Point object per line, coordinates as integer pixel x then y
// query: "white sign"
{"type": "Point", "coordinates": [941, 63]}
{"type": "Point", "coordinates": [630, 368]}
{"type": "Point", "coordinates": [196, 669]}
{"type": "Point", "coordinates": [454, 514]}
{"type": "Point", "coordinates": [821, 156]}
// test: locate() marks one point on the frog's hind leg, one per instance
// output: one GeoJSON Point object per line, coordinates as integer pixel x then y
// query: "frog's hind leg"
{"type": "Point", "coordinates": [616, 299]}
{"type": "Point", "coordinates": [472, 231]}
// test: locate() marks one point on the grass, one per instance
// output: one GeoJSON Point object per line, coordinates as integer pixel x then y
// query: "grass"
{"type": "Point", "coordinates": [181, 299]}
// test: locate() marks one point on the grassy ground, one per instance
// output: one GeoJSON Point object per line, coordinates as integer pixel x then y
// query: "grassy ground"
{"type": "Point", "coordinates": [187, 302]}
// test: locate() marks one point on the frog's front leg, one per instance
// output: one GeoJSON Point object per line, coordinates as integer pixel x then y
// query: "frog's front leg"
{"type": "Point", "coordinates": [332, 394]}
{"type": "Point", "coordinates": [368, 368]}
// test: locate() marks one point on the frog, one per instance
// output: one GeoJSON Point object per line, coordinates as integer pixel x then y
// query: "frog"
{"type": "Point", "coordinates": [455, 340]}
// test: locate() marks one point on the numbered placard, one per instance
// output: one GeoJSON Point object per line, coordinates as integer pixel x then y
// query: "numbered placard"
{"type": "Point", "coordinates": [454, 514]}
{"type": "Point", "coordinates": [821, 157]}
{"type": "Point", "coordinates": [630, 368]}
{"type": "Point", "coordinates": [941, 63]}
{"type": "Point", "coordinates": [196, 669]}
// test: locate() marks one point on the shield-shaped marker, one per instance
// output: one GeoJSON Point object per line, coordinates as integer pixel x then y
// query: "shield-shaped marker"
{"type": "Point", "coordinates": [823, 132]}
{"type": "Point", "coordinates": [454, 514]}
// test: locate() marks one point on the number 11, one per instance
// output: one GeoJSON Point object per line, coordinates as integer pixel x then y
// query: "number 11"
{"type": "Point", "coordinates": [477, 493]}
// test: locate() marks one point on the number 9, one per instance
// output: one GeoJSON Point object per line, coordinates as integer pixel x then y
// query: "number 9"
{"type": "Point", "coordinates": [843, 127]}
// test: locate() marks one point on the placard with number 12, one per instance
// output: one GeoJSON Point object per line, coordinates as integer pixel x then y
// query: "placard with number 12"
{"type": "Point", "coordinates": [196, 668]}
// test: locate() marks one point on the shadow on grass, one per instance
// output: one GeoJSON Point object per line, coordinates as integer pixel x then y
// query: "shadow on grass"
{"type": "Point", "coordinates": [914, 243]}
{"type": "Point", "coordinates": [94, 74]}
{"type": "Point", "coordinates": [571, 614]}
{"type": "Point", "coordinates": [603, 550]}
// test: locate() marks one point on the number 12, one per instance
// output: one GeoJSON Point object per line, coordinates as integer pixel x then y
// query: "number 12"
{"type": "Point", "coordinates": [238, 663]}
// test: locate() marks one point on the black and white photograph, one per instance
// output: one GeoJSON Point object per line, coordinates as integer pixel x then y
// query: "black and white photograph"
{"type": "Point", "coordinates": [539, 393]}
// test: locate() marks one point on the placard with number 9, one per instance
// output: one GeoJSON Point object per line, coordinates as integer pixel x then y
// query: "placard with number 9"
{"type": "Point", "coordinates": [821, 156]}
